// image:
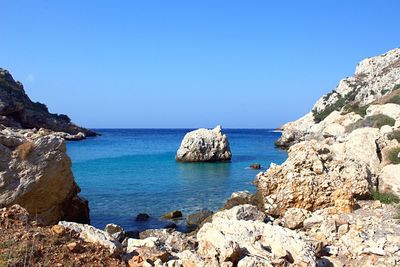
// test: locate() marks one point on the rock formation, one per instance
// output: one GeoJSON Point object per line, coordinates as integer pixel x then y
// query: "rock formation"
{"type": "Point", "coordinates": [204, 145]}
{"type": "Point", "coordinates": [18, 111]}
{"type": "Point", "coordinates": [356, 121]}
{"type": "Point", "coordinates": [35, 172]}
{"type": "Point", "coordinates": [376, 81]}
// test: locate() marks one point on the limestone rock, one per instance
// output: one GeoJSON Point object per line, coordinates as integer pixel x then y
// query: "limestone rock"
{"type": "Point", "coordinates": [37, 175]}
{"type": "Point", "coordinates": [204, 145]}
{"type": "Point", "coordinates": [228, 231]}
{"type": "Point", "coordinates": [295, 217]}
{"type": "Point", "coordinates": [389, 178]}
{"type": "Point", "coordinates": [390, 109]}
{"type": "Point", "coordinates": [93, 235]}
{"type": "Point", "coordinates": [375, 78]}
{"type": "Point", "coordinates": [310, 177]}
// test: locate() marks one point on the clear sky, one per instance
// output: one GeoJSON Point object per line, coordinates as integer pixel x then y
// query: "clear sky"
{"type": "Point", "coordinates": [149, 64]}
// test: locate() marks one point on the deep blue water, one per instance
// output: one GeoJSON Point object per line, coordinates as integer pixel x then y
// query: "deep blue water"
{"type": "Point", "coordinates": [129, 171]}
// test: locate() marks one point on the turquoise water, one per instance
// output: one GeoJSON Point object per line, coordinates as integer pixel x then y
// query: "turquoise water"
{"type": "Point", "coordinates": [129, 171]}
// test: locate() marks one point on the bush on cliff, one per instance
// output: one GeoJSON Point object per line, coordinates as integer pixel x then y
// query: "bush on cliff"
{"type": "Point", "coordinates": [393, 155]}
{"type": "Point", "coordinates": [395, 100]}
{"type": "Point", "coordinates": [356, 108]}
{"type": "Point", "coordinates": [395, 135]}
{"type": "Point", "coordinates": [374, 121]}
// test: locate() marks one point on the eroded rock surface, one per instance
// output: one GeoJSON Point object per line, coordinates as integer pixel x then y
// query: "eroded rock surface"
{"type": "Point", "coordinates": [204, 145]}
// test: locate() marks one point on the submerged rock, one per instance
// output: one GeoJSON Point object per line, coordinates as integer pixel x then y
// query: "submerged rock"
{"type": "Point", "coordinates": [173, 214]}
{"type": "Point", "coordinates": [204, 145]}
{"type": "Point", "coordinates": [255, 166]}
{"type": "Point", "coordinates": [142, 217]}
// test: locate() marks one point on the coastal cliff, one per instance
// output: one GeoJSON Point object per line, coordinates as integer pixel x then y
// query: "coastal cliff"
{"type": "Point", "coordinates": [35, 170]}
{"type": "Point", "coordinates": [18, 111]}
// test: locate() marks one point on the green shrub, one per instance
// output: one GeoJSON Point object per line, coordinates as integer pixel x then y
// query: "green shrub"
{"type": "Point", "coordinates": [395, 99]}
{"type": "Point", "coordinates": [395, 135]}
{"type": "Point", "coordinates": [362, 111]}
{"type": "Point", "coordinates": [393, 155]}
{"type": "Point", "coordinates": [374, 121]}
{"type": "Point", "coordinates": [321, 115]}
{"type": "Point", "coordinates": [385, 197]}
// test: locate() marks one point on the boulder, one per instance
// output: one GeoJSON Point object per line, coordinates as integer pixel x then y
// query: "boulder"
{"type": "Point", "coordinates": [36, 174]}
{"type": "Point", "coordinates": [93, 235]}
{"type": "Point", "coordinates": [312, 178]}
{"type": "Point", "coordinates": [295, 217]}
{"type": "Point", "coordinates": [173, 241]}
{"type": "Point", "coordinates": [389, 178]}
{"type": "Point", "coordinates": [173, 214]}
{"type": "Point", "coordinates": [197, 218]}
{"type": "Point", "coordinates": [204, 145]}
{"type": "Point", "coordinates": [390, 109]}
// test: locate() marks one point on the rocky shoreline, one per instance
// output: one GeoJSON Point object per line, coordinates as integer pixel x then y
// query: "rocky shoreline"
{"type": "Point", "coordinates": [333, 202]}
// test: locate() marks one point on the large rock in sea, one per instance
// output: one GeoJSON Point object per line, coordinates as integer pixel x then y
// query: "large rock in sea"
{"type": "Point", "coordinates": [19, 111]}
{"type": "Point", "coordinates": [36, 174]}
{"type": "Point", "coordinates": [204, 145]}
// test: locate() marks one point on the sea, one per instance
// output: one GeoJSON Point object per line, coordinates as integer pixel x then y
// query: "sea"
{"type": "Point", "coordinates": [125, 172]}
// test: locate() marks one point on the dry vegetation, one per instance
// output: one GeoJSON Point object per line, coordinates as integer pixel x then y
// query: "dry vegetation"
{"type": "Point", "coordinates": [24, 243]}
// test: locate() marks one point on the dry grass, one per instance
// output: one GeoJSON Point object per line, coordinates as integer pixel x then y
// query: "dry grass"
{"type": "Point", "coordinates": [25, 243]}
{"type": "Point", "coordinates": [23, 150]}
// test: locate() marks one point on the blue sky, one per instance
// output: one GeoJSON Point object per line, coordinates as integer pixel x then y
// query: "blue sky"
{"type": "Point", "coordinates": [242, 64]}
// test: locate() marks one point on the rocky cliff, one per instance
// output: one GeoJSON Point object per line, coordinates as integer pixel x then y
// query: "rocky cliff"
{"type": "Point", "coordinates": [376, 81]}
{"type": "Point", "coordinates": [17, 110]}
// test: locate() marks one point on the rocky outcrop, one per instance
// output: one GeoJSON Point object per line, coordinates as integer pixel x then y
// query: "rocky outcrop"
{"type": "Point", "coordinates": [314, 177]}
{"type": "Point", "coordinates": [35, 172]}
{"type": "Point", "coordinates": [376, 81]}
{"type": "Point", "coordinates": [17, 110]}
{"type": "Point", "coordinates": [204, 145]}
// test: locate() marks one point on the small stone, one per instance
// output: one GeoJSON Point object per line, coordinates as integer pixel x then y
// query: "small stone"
{"type": "Point", "coordinates": [73, 247]}
{"type": "Point", "coordinates": [255, 166]}
{"type": "Point", "coordinates": [173, 214]}
{"type": "Point", "coordinates": [343, 229]}
{"type": "Point", "coordinates": [58, 229]}
{"type": "Point", "coordinates": [374, 250]}
{"type": "Point", "coordinates": [332, 250]}
{"type": "Point", "coordinates": [376, 204]}
{"type": "Point", "coordinates": [113, 228]}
